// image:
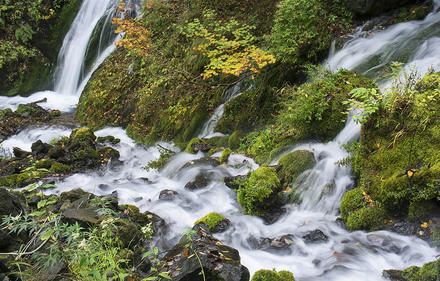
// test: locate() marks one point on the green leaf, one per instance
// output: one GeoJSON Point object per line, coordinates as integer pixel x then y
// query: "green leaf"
{"type": "Point", "coordinates": [164, 276]}
{"type": "Point", "coordinates": [47, 234]}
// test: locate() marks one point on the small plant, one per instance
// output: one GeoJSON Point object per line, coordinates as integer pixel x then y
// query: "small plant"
{"type": "Point", "coordinates": [367, 99]}
{"type": "Point", "coordinates": [156, 265]}
{"type": "Point", "coordinates": [189, 232]}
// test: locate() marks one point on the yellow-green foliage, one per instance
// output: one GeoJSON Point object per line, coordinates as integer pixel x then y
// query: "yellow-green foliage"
{"type": "Point", "coordinates": [225, 156]}
{"type": "Point", "coordinates": [230, 46]}
{"type": "Point", "coordinates": [259, 191]}
{"type": "Point", "coordinates": [294, 163]}
{"type": "Point", "coordinates": [272, 275]}
{"type": "Point", "coordinates": [211, 220]}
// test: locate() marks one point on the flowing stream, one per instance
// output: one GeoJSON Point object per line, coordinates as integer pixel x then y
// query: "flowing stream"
{"type": "Point", "coordinates": [344, 256]}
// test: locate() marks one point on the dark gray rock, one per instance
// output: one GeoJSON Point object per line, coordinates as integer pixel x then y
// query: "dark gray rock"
{"type": "Point", "coordinates": [168, 194]}
{"type": "Point", "coordinates": [83, 217]}
{"type": "Point", "coordinates": [199, 182]}
{"type": "Point", "coordinates": [393, 275]}
{"type": "Point", "coordinates": [315, 236]}
{"type": "Point", "coordinates": [20, 153]}
{"type": "Point", "coordinates": [220, 262]}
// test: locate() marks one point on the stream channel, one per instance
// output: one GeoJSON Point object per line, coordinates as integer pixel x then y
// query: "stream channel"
{"type": "Point", "coordinates": [344, 256]}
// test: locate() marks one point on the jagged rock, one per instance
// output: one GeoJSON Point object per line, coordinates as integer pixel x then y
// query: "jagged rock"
{"type": "Point", "coordinates": [40, 148]}
{"type": "Point", "coordinates": [220, 262]}
{"type": "Point", "coordinates": [315, 236]}
{"type": "Point", "coordinates": [33, 202]}
{"type": "Point", "coordinates": [281, 245]}
{"type": "Point", "coordinates": [20, 153]}
{"type": "Point", "coordinates": [168, 194]}
{"type": "Point", "coordinates": [199, 182]}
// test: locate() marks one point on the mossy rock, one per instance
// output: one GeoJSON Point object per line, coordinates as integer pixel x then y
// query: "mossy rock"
{"type": "Point", "coordinates": [22, 179]}
{"type": "Point", "coordinates": [428, 272]}
{"type": "Point", "coordinates": [196, 145]}
{"type": "Point", "coordinates": [83, 133]}
{"type": "Point", "coordinates": [272, 275]}
{"type": "Point", "coordinates": [60, 168]}
{"type": "Point", "coordinates": [259, 193]}
{"type": "Point", "coordinates": [294, 163]}
{"type": "Point", "coordinates": [420, 210]}
{"type": "Point", "coordinates": [225, 156]}
{"type": "Point", "coordinates": [214, 221]}
{"type": "Point", "coordinates": [43, 164]}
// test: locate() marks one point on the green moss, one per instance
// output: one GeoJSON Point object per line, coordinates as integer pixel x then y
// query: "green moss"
{"type": "Point", "coordinates": [83, 133]}
{"type": "Point", "coordinates": [211, 220]}
{"type": "Point", "coordinates": [272, 275]}
{"type": "Point", "coordinates": [225, 156]}
{"type": "Point", "coordinates": [195, 141]}
{"type": "Point", "coordinates": [43, 163]}
{"type": "Point", "coordinates": [428, 272]}
{"type": "Point", "coordinates": [366, 218]}
{"type": "Point", "coordinates": [419, 210]}
{"type": "Point", "coordinates": [359, 211]}
{"type": "Point", "coordinates": [22, 179]}
{"type": "Point", "coordinates": [60, 168]}
{"type": "Point", "coordinates": [294, 163]}
{"type": "Point", "coordinates": [259, 191]}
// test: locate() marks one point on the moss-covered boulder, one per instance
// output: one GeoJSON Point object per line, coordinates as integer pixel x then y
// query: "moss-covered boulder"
{"type": "Point", "coordinates": [272, 275]}
{"type": "Point", "coordinates": [294, 163]}
{"type": "Point", "coordinates": [259, 193]}
{"type": "Point", "coordinates": [215, 221]}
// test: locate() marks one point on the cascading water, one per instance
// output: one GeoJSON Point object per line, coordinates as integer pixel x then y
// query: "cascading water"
{"type": "Point", "coordinates": [343, 256]}
{"type": "Point", "coordinates": [208, 128]}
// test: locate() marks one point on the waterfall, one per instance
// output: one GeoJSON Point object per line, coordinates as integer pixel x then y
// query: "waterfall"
{"type": "Point", "coordinates": [73, 51]}
{"type": "Point", "coordinates": [207, 130]}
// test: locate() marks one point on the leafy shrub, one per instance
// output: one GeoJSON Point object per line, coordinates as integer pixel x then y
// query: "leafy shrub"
{"type": "Point", "coordinates": [272, 275]}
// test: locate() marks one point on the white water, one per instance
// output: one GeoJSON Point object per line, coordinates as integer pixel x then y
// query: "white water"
{"type": "Point", "coordinates": [345, 256]}
{"type": "Point", "coordinates": [208, 128]}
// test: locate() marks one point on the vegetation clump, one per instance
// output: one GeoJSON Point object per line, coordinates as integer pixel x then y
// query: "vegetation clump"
{"type": "Point", "coordinates": [273, 275]}
{"type": "Point", "coordinates": [293, 164]}
{"type": "Point", "coordinates": [225, 156]}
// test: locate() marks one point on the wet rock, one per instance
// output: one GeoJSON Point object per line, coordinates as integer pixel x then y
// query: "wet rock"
{"type": "Point", "coordinates": [40, 148]}
{"type": "Point", "coordinates": [104, 187]}
{"type": "Point", "coordinates": [168, 194]}
{"type": "Point", "coordinates": [56, 152]}
{"type": "Point", "coordinates": [220, 262]}
{"type": "Point", "coordinates": [11, 203]}
{"type": "Point", "coordinates": [20, 153]}
{"type": "Point", "coordinates": [281, 245]}
{"type": "Point", "coordinates": [84, 217]}
{"type": "Point", "coordinates": [199, 182]}
{"type": "Point", "coordinates": [233, 182]}
{"type": "Point", "coordinates": [315, 236]}
{"type": "Point", "coordinates": [33, 202]}
{"type": "Point", "coordinates": [271, 215]}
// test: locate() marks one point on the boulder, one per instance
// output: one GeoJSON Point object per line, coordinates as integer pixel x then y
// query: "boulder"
{"type": "Point", "coordinates": [293, 164]}
{"type": "Point", "coordinates": [199, 182]}
{"type": "Point", "coordinates": [198, 249]}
